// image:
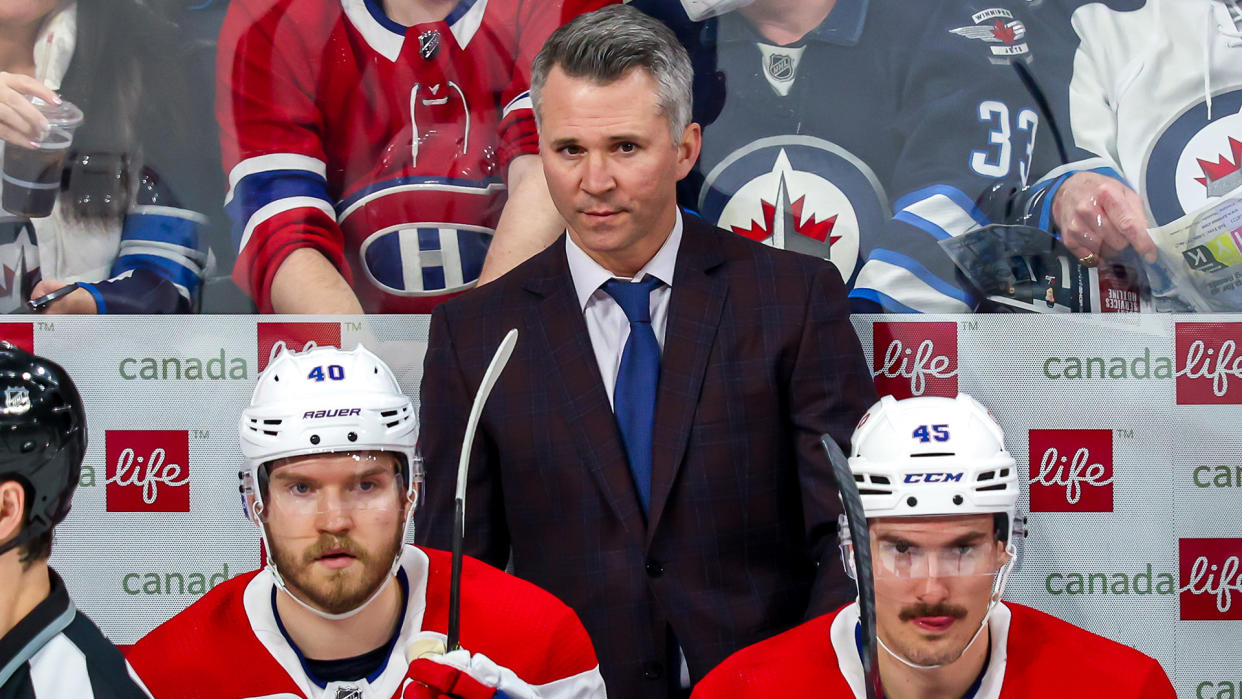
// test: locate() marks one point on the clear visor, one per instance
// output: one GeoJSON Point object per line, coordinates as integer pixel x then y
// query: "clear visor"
{"type": "Point", "coordinates": [373, 484]}
{"type": "Point", "coordinates": [901, 560]}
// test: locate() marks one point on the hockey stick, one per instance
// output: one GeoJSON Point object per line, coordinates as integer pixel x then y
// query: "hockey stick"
{"type": "Point", "coordinates": [861, 536]}
{"type": "Point", "coordinates": [499, 360]}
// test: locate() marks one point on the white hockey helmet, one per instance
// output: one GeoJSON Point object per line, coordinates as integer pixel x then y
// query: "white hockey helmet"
{"type": "Point", "coordinates": [328, 400]}
{"type": "Point", "coordinates": [933, 456]}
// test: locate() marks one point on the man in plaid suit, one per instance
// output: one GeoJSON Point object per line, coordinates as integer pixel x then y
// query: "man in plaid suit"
{"type": "Point", "coordinates": [654, 464]}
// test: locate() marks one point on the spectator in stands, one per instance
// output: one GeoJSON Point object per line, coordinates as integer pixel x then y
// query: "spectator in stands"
{"type": "Point", "coordinates": [127, 220]}
{"type": "Point", "coordinates": [858, 132]}
{"type": "Point", "coordinates": [369, 145]}
{"type": "Point", "coordinates": [1154, 118]}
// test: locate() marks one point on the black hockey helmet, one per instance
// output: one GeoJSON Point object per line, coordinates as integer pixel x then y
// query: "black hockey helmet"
{"type": "Point", "coordinates": [42, 437]}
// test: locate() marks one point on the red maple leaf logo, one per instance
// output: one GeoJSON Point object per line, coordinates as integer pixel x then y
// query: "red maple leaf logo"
{"type": "Point", "coordinates": [809, 227]}
{"type": "Point", "coordinates": [759, 231]}
{"type": "Point", "coordinates": [815, 230]}
{"type": "Point", "coordinates": [1003, 32]}
{"type": "Point", "coordinates": [1222, 167]}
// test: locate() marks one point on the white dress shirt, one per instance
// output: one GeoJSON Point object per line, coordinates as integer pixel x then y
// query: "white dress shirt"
{"type": "Point", "coordinates": [606, 323]}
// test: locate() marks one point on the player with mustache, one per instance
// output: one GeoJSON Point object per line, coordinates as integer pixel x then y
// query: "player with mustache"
{"type": "Point", "coordinates": [940, 493]}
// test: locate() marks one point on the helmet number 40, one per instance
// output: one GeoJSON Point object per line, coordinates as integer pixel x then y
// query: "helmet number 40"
{"type": "Point", "coordinates": [336, 372]}
{"type": "Point", "coordinates": [927, 433]}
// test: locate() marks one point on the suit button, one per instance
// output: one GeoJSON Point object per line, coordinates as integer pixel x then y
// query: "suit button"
{"type": "Point", "coordinates": [652, 670]}
{"type": "Point", "coordinates": [654, 569]}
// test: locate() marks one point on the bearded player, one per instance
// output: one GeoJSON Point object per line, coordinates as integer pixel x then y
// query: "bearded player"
{"type": "Point", "coordinates": [344, 609]}
{"type": "Point", "coordinates": [940, 494]}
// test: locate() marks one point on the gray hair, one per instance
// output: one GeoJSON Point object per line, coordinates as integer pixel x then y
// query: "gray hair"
{"type": "Point", "coordinates": [605, 45]}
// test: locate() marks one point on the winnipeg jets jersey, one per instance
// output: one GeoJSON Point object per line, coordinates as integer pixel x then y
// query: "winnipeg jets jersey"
{"type": "Point", "coordinates": [1033, 656]}
{"type": "Point", "coordinates": [512, 622]}
{"type": "Point", "coordinates": [1156, 95]}
{"type": "Point", "coordinates": [382, 147]}
{"type": "Point", "coordinates": [867, 141]}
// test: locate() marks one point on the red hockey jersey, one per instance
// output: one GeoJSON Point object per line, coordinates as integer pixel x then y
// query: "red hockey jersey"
{"type": "Point", "coordinates": [381, 146]}
{"type": "Point", "coordinates": [228, 645]}
{"type": "Point", "coordinates": [1034, 656]}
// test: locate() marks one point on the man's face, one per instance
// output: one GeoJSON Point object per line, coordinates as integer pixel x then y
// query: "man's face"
{"type": "Point", "coordinates": [612, 166]}
{"type": "Point", "coordinates": [933, 582]}
{"type": "Point", "coordinates": [334, 523]}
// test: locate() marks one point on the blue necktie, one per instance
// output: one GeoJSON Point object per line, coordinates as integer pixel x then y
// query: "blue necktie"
{"type": "Point", "coordinates": [634, 396]}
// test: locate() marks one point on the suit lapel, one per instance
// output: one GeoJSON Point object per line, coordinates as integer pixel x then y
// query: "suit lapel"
{"type": "Point", "coordinates": [571, 364]}
{"type": "Point", "coordinates": [693, 317]}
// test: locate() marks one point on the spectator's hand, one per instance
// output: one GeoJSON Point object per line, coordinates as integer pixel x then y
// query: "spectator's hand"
{"type": "Point", "coordinates": [1100, 217]}
{"type": "Point", "coordinates": [460, 675]}
{"type": "Point", "coordinates": [20, 122]}
{"type": "Point", "coordinates": [78, 301]}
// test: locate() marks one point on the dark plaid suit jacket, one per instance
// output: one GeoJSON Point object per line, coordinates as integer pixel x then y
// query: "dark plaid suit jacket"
{"type": "Point", "coordinates": [759, 359]}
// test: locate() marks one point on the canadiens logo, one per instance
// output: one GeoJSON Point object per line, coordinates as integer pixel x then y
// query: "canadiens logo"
{"type": "Point", "coordinates": [797, 193]}
{"type": "Point", "coordinates": [998, 27]}
{"type": "Point", "coordinates": [1195, 159]}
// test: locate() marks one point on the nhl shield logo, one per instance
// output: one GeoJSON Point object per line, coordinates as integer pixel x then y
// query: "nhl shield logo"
{"type": "Point", "coordinates": [780, 67]}
{"type": "Point", "coordinates": [16, 400]}
{"type": "Point", "coordinates": [429, 44]}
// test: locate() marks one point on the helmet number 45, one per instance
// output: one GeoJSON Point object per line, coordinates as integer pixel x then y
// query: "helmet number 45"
{"type": "Point", "coordinates": [926, 433]}
{"type": "Point", "coordinates": [336, 372]}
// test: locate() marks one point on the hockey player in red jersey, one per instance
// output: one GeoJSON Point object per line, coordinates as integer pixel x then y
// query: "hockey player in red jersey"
{"type": "Point", "coordinates": [940, 494]}
{"type": "Point", "coordinates": [344, 609]}
{"type": "Point", "coordinates": [371, 146]}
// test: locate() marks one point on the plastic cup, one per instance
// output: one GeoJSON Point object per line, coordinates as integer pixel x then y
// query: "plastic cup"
{"type": "Point", "coordinates": [31, 176]}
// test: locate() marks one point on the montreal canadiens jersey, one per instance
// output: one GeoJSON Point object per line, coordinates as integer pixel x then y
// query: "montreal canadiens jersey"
{"type": "Point", "coordinates": [382, 147]}
{"type": "Point", "coordinates": [867, 141]}
{"type": "Point", "coordinates": [1155, 94]}
{"type": "Point", "coordinates": [512, 622]}
{"type": "Point", "coordinates": [1033, 656]}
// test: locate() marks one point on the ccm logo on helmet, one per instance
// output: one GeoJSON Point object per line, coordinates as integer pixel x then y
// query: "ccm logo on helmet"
{"type": "Point", "coordinates": [336, 412]}
{"type": "Point", "coordinates": [933, 477]}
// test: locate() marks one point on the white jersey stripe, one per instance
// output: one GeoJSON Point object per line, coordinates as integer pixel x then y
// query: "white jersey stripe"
{"type": "Point", "coordinates": [944, 213]}
{"type": "Point", "coordinates": [279, 207]}
{"type": "Point", "coordinates": [907, 288]}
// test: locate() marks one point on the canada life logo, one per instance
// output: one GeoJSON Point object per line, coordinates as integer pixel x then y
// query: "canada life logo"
{"type": "Point", "coordinates": [1211, 582]}
{"type": "Point", "coordinates": [1209, 363]}
{"type": "Point", "coordinates": [148, 470]}
{"type": "Point", "coordinates": [914, 359]}
{"type": "Point", "coordinates": [296, 337]}
{"type": "Point", "coordinates": [1071, 470]}
{"type": "Point", "coordinates": [20, 334]}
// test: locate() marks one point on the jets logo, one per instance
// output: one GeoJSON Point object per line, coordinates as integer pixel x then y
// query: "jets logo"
{"type": "Point", "coordinates": [998, 28]}
{"type": "Point", "coordinates": [1195, 160]}
{"type": "Point", "coordinates": [797, 193]}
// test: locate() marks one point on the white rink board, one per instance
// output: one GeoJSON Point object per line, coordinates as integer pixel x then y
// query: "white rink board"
{"type": "Point", "coordinates": [1145, 399]}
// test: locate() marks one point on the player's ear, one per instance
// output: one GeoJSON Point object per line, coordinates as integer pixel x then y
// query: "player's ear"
{"type": "Point", "coordinates": [12, 509]}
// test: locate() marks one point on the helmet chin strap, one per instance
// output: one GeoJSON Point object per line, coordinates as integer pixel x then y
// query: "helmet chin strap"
{"type": "Point", "coordinates": [999, 581]}
{"type": "Point", "coordinates": [283, 587]}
